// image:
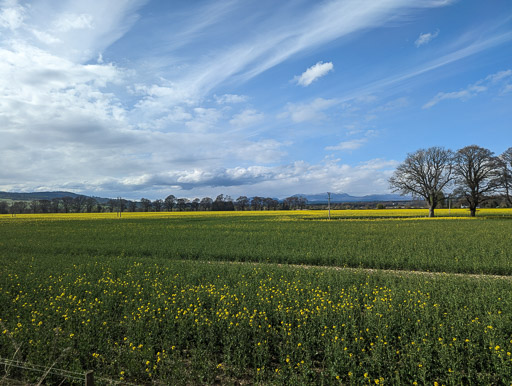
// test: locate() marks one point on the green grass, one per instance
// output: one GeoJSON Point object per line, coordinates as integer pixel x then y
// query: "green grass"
{"type": "Point", "coordinates": [127, 299]}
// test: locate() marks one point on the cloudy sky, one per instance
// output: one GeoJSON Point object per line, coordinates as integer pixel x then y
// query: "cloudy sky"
{"type": "Point", "coordinates": [196, 98]}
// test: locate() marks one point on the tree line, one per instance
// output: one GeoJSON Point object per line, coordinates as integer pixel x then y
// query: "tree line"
{"type": "Point", "coordinates": [472, 174]}
{"type": "Point", "coordinates": [85, 204]}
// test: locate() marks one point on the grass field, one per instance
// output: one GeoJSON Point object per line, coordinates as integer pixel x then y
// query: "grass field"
{"type": "Point", "coordinates": [158, 297]}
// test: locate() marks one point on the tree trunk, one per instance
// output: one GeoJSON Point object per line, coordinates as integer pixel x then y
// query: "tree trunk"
{"type": "Point", "coordinates": [431, 211]}
{"type": "Point", "coordinates": [472, 211]}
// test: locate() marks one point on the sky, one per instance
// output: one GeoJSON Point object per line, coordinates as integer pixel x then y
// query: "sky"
{"type": "Point", "coordinates": [272, 98]}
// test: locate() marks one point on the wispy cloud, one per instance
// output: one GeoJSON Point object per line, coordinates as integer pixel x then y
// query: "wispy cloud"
{"type": "Point", "coordinates": [301, 112]}
{"type": "Point", "coordinates": [475, 47]}
{"type": "Point", "coordinates": [273, 41]}
{"type": "Point", "coordinates": [353, 144]}
{"type": "Point", "coordinates": [426, 38]}
{"type": "Point", "coordinates": [313, 73]}
{"type": "Point", "coordinates": [473, 89]}
{"type": "Point", "coordinates": [71, 30]}
{"type": "Point", "coordinates": [348, 145]}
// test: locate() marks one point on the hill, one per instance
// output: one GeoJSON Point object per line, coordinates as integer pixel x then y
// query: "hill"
{"type": "Point", "coordinates": [338, 198]}
{"type": "Point", "coordinates": [42, 196]}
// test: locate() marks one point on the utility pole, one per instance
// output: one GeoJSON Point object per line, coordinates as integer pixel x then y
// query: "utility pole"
{"type": "Point", "coordinates": [329, 203]}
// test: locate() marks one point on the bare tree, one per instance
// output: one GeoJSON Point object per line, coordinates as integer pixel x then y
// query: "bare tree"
{"type": "Point", "coordinates": [55, 205]}
{"type": "Point", "coordinates": [476, 175]}
{"type": "Point", "coordinates": [158, 204]}
{"type": "Point", "coordinates": [132, 206]}
{"type": "Point", "coordinates": [424, 173]}
{"type": "Point", "coordinates": [223, 202]}
{"type": "Point", "coordinates": [67, 201]}
{"type": "Point", "coordinates": [181, 203]}
{"type": "Point", "coordinates": [44, 206]}
{"type": "Point", "coordinates": [506, 174]}
{"type": "Point", "coordinates": [169, 202]}
{"type": "Point", "coordinates": [4, 207]}
{"type": "Point", "coordinates": [111, 205]}
{"type": "Point", "coordinates": [206, 203]}
{"type": "Point", "coordinates": [90, 203]}
{"type": "Point", "coordinates": [146, 204]}
{"type": "Point", "coordinates": [34, 206]}
{"type": "Point", "coordinates": [79, 202]}
{"type": "Point", "coordinates": [18, 207]}
{"type": "Point", "coordinates": [242, 202]}
{"type": "Point", "coordinates": [257, 203]}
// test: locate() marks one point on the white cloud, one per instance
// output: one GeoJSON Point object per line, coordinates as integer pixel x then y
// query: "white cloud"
{"type": "Point", "coordinates": [426, 38]}
{"type": "Point", "coordinates": [278, 181]}
{"type": "Point", "coordinates": [473, 89]}
{"type": "Point", "coordinates": [313, 73]}
{"type": "Point", "coordinates": [204, 119]}
{"type": "Point", "coordinates": [302, 112]}
{"type": "Point", "coordinates": [248, 117]}
{"type": "Point", "coordinates": [11, 15]}
{"type": "Point", "coordinates": [230, 99]}
{"type": "Point", "coordinates": [263, 152]}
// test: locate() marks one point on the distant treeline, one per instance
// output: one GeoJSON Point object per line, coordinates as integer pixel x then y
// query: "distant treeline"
{"type": "Point", "coordinates": [85, 204]}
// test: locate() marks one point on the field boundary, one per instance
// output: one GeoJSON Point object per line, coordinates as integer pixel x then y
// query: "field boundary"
{"type": "Point", "coordinates": [396, 272]}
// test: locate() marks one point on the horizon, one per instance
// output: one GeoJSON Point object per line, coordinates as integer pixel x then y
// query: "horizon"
{"type": "Point", "coordinates": [150, 98]}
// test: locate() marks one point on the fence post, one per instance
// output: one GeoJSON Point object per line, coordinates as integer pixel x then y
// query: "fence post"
{"type": "Point", "coordinates": [89, 378]}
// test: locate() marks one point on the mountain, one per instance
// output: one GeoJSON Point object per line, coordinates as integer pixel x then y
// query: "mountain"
{"type": "Point", "coordinates": [321, 198]}
{"type": "Point", "coordinates": [43, 196]}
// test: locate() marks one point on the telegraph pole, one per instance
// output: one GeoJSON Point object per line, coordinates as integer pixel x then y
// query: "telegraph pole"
{"type": "Point", "coordinates": [329, 203]}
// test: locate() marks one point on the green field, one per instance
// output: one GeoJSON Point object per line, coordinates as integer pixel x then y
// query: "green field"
{"type": "Point", "coordinates": [147, 299]}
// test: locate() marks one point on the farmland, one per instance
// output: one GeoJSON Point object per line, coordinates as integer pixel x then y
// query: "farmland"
{"type": "Point", "coordinates": [259, 297]}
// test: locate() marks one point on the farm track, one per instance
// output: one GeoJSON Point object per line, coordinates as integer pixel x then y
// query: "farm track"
{"type": "Point", "coordinates": [396, 272]}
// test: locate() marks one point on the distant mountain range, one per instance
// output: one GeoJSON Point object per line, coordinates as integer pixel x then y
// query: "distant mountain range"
{"type": "Point", "coordinates": [320, 198]}
{"type": "Point", "coordinates": [43, 196]}
{"type": "Point", "coordinates": [338, 198]}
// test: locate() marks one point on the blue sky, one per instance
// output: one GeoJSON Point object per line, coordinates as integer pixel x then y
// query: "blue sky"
{"type": "Point", "coordinates": [150, 98]}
